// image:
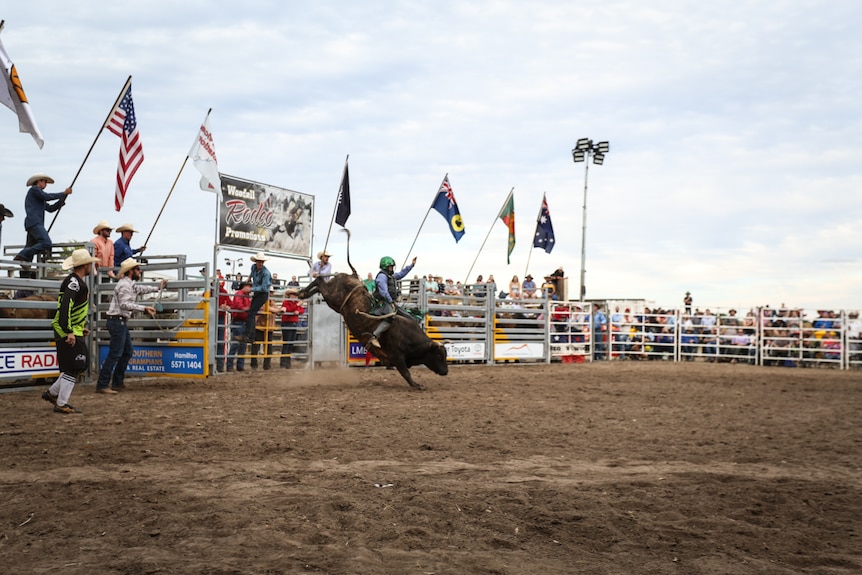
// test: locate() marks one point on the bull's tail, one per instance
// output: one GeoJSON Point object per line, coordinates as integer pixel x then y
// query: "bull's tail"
{"type": "Point", "coordinates": [353, 269]}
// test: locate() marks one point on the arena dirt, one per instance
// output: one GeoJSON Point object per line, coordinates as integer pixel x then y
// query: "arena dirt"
{"type": "Point", "coordinates": [626, 468]}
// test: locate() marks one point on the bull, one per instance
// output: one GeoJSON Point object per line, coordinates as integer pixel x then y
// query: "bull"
{"type": "Point", "coordinates": [29, 312]}
{"type": "Point", "coordinates": [402, 346]}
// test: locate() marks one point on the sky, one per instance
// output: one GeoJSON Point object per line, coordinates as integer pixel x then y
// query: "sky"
{"type": "Point", "coordinates": [735, 133]}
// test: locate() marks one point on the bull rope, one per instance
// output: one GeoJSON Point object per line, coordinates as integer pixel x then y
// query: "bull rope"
{"type": "Point", "coordinates": [347, 297]}
{"type": "Point", "coordinates": [369, 316]}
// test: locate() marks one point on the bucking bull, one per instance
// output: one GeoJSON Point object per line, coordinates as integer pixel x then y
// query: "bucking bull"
{"type": "Point", "coordinates": [403, 345]}
{"type": "Point", "coordinates": [29, 313]}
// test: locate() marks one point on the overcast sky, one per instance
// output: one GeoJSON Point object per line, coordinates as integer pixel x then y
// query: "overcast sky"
{"type": "Point", "coordinates": [735, 132]}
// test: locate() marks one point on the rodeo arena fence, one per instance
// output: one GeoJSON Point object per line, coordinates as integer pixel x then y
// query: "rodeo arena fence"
{"type": "Point", "coordinates": [188, 337]}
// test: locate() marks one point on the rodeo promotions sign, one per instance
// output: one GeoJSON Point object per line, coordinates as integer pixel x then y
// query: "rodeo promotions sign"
{"type": "Point", "coordinates": [260, 217]}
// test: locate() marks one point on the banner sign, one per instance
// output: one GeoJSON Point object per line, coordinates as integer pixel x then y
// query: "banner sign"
{"type": "Point", "coordinates": [467, 350]}
{"type": "Point", "coordinates": [526, 350]}
{"type": "Point", "coordinates": [28, 362]}
{"type": "Point", "coordinates": [162, 360]}
{"type": "Point", "coordinates": [262, 218]}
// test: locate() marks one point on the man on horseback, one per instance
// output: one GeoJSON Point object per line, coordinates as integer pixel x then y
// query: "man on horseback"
{"type": "Point", "coordinates": [386, 294]}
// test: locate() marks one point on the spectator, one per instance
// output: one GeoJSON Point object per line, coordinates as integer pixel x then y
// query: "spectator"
{"type": "Point", "coordinates": [237, 282]}
{"type": "Point", "coordinates": [291, 309]}
{"type": "Point", "coordinates": [600, 329]}
{"type": "Point", "coordinates": [686, 302]}
{"type": "Point", "coordinates": [515, 288]}
{"type": "Point", "coordinates": [239, 304]}
{"type": "Point", "coordinates": [528, 288]}
{"type": "Point", "coordinates": [688, 342]}
{"type": "Point", "coordinates": [854, 337]}
{"type": "Point", "coordinates": [293, 282]}
{"type": "Point", "coordinates": [122, 247]}
{"type": "Point", "coordinates": [549, 288]}
{"type": "Point", "coordinates": [741, 346]}
{"type": "Point", "coordinates": [104, 250]}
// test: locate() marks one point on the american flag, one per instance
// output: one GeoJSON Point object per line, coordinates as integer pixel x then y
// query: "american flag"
{"type": "Point", "coordinates": [122, 122]}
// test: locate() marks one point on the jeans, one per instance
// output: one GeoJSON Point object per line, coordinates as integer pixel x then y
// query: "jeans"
{"type": "Point", "coordinates": [237, 328]}
{"type": "Point", "coordinates": [38, 241]}
{"type": "Point", "coordinates": [257, 300]}
{"type": "Point", "coordinates": [113, 370]}
{"type": "Point", "coordinates": [288, 336]}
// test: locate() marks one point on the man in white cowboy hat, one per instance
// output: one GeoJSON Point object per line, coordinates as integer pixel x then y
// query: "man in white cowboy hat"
{"type": "Point", "coordinates": [104, 248]}
{"type": "Point", "coordinates": [35, 205]}
{"type": "Point", "coordinates": [4, 213]}
{"type": "Point", "coordinates": [122, 247]}
{"type": "Point", "coordinates": [123, 304]}
{"type": "Point", "coordinates": [70, 331]}
{"type": "Point", "coordinates": [322, 267]}
{"type": "Point", "coordinates": [261, 284]}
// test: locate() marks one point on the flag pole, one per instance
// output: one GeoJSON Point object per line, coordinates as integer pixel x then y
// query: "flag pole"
{"type": "Point", "coordinates": [532, 245]}
{"type": "Point", "coordinates": [335, 208]}
{"type": "Point", "coordinates": [93, 145]}
{"type": "Point", "coordinates": [410, 251]}
{"type": "Point", "coordinates": [171, 191]}
{"type": "Point", "coordinates": [505, 203]}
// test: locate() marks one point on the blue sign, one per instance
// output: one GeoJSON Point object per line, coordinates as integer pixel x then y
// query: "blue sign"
{"type": "Point", "coordinates": [173, 360]}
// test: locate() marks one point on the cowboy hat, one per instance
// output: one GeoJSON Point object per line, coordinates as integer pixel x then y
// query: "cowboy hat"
{"type": "Point", "coordinates": [6, 212]}
{"type": "Point", "coordinates": [102, 225]}
{"type": "Point", "coordinates": [291, 291]}
{"type": "Point", "coordinates": [323, 253]}
{"type": "Point", "coordinates": [36, 177]}
{"type": "Point", "coordinates": [128, 264]}
{"type": "Point", "coordinates": [126, 228]}
{"type": "Point", "coordinates": [258, 257]}
{"type": "Point", "coordinates": [79, 257]}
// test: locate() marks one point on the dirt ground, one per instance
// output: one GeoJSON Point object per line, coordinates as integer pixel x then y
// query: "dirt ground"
{"type": "Point", "coordinates": [622, 468]}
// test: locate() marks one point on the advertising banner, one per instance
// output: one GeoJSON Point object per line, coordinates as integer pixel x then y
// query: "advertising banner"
{"type": "Point", "coordinates": [262, 218]}
{"type": "Point", "coordinates": [28, 362]}
{"type": "Point", "coordinates": [163, 360]}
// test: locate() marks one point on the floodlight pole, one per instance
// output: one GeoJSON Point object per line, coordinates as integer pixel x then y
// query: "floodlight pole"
{"type": "Point", "coordinates": [583, 289]}
{"type": "Point", "coordinates": [582, 152]}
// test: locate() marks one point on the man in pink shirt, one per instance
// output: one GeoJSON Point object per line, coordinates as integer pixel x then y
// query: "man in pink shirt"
{"type": "Point", "coordinates": [104, 249]}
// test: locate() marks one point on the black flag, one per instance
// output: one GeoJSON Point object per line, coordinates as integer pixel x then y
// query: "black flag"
{"type": "Point", "coordinates": [342, 209]}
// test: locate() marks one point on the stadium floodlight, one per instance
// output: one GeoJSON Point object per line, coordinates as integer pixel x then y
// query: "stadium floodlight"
{"type": "Point", "coordinates": [583, 149]}
{"type": "Point", "coordinates": [233, 263]}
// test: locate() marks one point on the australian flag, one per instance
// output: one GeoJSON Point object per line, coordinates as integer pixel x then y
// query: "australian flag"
{"type": "Point", "coordinates": [445, 203]}
{"type": "Point", "coordinates": [544, 229]}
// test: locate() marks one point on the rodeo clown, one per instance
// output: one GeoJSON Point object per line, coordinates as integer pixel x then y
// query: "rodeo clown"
{"type": "Point", "coordinates": [386, 294]}
{"type": "Point", "coordinates": [69, 323]}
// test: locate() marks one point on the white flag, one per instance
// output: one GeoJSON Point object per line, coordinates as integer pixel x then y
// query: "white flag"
{"type": "Point", "coordinates": [203, 155]}
{"type": "Point", "coordinates": [13, 97]}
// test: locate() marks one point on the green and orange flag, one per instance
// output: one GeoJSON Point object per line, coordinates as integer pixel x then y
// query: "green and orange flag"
{"type": "Point", "coordinates": [507, 214]}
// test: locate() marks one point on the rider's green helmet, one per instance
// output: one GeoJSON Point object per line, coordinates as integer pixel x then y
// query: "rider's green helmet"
{"type": "Point", "coordinates": [386, 261]}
